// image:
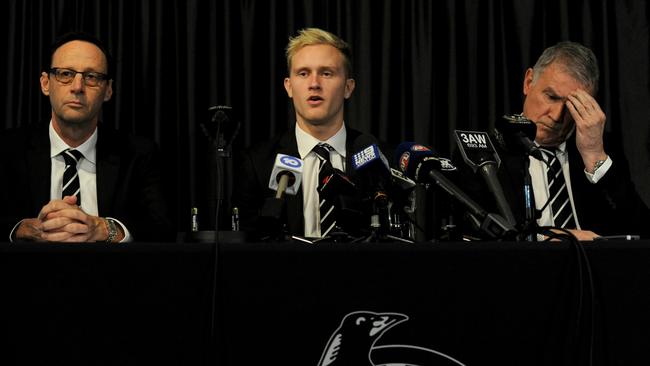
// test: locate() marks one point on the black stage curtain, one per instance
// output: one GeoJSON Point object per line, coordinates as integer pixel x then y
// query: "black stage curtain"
{"type": "Point", "coordinates": [423, 68]}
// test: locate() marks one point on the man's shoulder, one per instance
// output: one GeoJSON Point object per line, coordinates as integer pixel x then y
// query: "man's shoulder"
{"type": "Point", "coordinates": [24, 136]}
{"type": "Point", "coordinates": [284, 143]}
{"type": "Point", "coordinates": [118, 140]}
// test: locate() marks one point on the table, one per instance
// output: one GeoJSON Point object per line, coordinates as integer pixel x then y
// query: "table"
{"type": "Point", "coordinates": [279, 303]}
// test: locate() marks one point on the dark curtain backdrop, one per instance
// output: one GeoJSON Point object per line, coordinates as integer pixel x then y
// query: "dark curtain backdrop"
{"type": "Point", "coordinates": [423, 68]}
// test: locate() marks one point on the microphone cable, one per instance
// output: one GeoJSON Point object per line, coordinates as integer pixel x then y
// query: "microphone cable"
{"type": "Point", "coordinates": [584, 272]}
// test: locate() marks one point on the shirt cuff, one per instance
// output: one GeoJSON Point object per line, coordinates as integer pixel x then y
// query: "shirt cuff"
{"type": "Point", "coordinates": [11, 233]}
{"type": "Point", "coordinates": [127, 235]}
{"type": "Point", "coordinates": [600, 172]}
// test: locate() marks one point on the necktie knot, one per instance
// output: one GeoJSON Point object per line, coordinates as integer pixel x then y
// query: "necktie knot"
{"type": "Point", "coordinates": [72, 157]}
{"type": "Point", "coordinates": [323, 151]}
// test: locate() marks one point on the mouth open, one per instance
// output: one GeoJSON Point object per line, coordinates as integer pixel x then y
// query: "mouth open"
{"type": "Point", "coordinates": [314, 100]}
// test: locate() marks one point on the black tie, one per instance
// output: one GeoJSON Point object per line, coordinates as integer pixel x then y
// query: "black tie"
{"type": "Point", "coordinates": [558, 193]}
{"type": "Point", "coordinates": [327, 216]}
{"type": "Point", "coordinates": [70, 175]}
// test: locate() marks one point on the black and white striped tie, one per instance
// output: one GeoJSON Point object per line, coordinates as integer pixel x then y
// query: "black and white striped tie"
{"type": "Point", "coordinates": [327, 215]}
{"type": "Point", "coordinates": [71, 175]}
{"type": "Point", "coordinates": [558, 193]}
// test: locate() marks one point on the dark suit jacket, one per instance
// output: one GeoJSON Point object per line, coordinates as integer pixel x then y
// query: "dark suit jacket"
{"type": "Point", "coordinates": [610, 207]}
{"type": "Point", "coordinates": [254, 169]}
{"type": "Point", "coordinates": [128, 180]}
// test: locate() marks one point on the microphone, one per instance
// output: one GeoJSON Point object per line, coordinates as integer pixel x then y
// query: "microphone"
{"type": "Point", "coordinates": [373, 171]}
{"type": "Point", "coordinates": [419, 163]}
{"type": "Point", "coordinates": [343, 193]}
{"type": "Point", "coordinates": [285, 178]}
{"type": "Point", "coordinates": [286, 175]}
{"type": "Point", "coordinates": [516, 133]}
{"type": "Point", "coordinates": [337, 183]}
{"type": "Point", "coordinates": [374, 174]}
{"type": "Point", "coordinates": [401, 180]}
{"type": "Point", "coordinates": [478, 152]}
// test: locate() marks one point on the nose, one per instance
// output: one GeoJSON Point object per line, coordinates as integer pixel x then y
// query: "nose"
{"type": "Point", "coordinates": [557, 112]}
{"type": "Point", "coordinates": [314, 81]}
{"type": "Point", "coordinates": [77, 84]}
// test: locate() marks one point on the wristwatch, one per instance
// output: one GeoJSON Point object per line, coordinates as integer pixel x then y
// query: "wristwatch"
{"type": "Point", "coordinates": [597, 165]}
{"type": "Point", "coordinates": [112, 230]}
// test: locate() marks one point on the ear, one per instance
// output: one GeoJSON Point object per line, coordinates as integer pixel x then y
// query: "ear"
{"type": "Point", "coordinates": [109, 91]}
{"type": "Point", "coordinates": [349, 88]}
{"type": "Point", "coordinates": [528, 81]}
{"type": "Point", "coordinates": [287, 87]}
{"type": "Point", "coordinates": [45, 83]}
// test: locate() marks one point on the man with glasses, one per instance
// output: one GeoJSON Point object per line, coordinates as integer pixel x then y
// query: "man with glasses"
{"type": "Point", "coordinates": [78, 181]}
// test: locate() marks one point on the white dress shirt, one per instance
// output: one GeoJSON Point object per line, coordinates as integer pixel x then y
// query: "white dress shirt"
{"type": "Point", "coordinates": [87, 170]}
{"type": "Point", "coordinates": [310, 203]}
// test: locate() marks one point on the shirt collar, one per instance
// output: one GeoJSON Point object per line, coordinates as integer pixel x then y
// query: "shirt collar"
{"type": "Point", "coordinates": [306, 142]}
{"type": "Point", "coordinates": [88, 148]}
{"type": "Point", "coordinates": [561, 148]}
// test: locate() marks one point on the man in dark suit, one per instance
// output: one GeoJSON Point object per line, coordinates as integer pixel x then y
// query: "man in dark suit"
{"type": "Point", "coordinates": [58, 180]}
{"type": "Point", "coordinates": [318, 83]}
{"type": "Point", "coordinates": [591, 193]}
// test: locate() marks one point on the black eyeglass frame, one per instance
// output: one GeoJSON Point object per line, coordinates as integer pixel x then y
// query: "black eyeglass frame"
{"type": "Point", "coordinates": [100, 77]}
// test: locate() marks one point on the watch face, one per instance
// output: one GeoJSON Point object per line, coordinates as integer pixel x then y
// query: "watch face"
{"type": "Point", "coordinates": [597, 165]}
{"type": "Point", "coordinates": [112, 230]}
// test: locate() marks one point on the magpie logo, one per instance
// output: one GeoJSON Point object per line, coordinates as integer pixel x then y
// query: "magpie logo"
{"type": "Point", "coordinates": [353, 344]}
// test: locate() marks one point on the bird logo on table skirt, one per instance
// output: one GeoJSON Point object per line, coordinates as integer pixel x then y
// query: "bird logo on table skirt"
{"type": "Point", "coordinates": [353, 344]}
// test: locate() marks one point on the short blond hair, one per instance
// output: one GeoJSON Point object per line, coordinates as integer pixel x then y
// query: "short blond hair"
{"type": "Point", "coordinates": [314, 36]}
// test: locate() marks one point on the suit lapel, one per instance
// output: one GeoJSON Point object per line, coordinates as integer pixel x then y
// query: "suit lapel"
{"type": "Point", "coordinates": [108, 166]}
{"type": "Point", "coordinates": [39, 168]}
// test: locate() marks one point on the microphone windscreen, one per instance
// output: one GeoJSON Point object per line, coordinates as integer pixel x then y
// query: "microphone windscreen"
{"type": "Point", "coordinates": [286, 164]}
{"type": "Point", "coordinates": [512, 125]}
{"type": "Point", "coordinates": [516, 133]}
{"type": "Point", "coordinates": [373, 170]}
{"type": "Point", "coordinates": [408, 156]}
{"type": "Point", "coordinates": [476, 148]}
{"type": "Point", "coordinates": [370, 157]}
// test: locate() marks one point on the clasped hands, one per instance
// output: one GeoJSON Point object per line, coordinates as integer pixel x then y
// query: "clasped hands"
{"type": "Point", "coordinates": [63, 221]}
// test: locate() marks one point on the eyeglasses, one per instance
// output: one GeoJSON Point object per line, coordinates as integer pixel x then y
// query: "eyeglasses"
{"type": "Point", "coordinates": [65, 76]}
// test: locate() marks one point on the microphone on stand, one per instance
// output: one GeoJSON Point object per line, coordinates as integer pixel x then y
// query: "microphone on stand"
{"type": "Point", "coordinates": [478, 152]}
{"type": "Point", "coordinates": [286, 175]}
{"type": "Point", "coordinates": [374, 174]}
{"type": "Point", "coordinates": [516, 133]}
{"type": "Point", "coordinates": [420, 164]}
{"type": "Point", "coordinates": [285, 179]}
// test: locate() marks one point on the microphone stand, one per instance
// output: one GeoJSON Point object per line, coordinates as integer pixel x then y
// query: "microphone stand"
{"type": "Point", "coordinates": [530, 223]}
{"type": "Point", "coordinates": [223, 173]}
{"type": "Point", "coordinates": [380, 222]}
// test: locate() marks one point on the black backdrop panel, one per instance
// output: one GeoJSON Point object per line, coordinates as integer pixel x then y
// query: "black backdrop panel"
{"type": "Point", "coordinates": [477, 304]}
